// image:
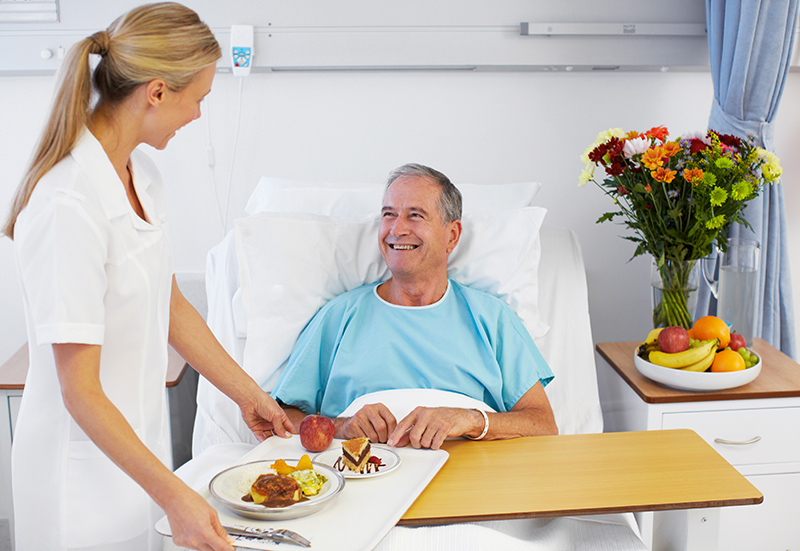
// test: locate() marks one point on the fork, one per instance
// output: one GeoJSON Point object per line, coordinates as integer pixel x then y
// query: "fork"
{"type": "Point", "coordinates": [280, 535]}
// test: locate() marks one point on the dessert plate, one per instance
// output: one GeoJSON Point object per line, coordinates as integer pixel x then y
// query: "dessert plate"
{"type": "Point", "coordinates": [333, 459]}
{"type": "Point", "coordinates": [230, 485]}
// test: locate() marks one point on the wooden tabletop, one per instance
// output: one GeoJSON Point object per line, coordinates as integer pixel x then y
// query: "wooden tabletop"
{"type": "Point", "coordinates": [578, 475]}
{"type": "Point", "coordinates": [15, 370]}
{"type": "Point", "coordinates": [779, 377]}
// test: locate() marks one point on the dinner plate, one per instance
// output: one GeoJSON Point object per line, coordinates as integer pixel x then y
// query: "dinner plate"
{"type": "Point", "coordinates": [333, 457]}
{"type": "Point", "coordinates": [230, 485]}
{"type": "Point", "coordinates": [693, 380]}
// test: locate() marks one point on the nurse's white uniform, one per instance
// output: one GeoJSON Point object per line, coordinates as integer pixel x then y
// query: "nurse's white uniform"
{"type": "Point", "coordinates": [92, 272]}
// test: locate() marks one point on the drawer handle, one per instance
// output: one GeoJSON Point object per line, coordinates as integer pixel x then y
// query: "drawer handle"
{"type": "Point", "coordinates": [736, 443]}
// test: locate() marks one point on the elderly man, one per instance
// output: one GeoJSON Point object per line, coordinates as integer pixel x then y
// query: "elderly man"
{"type": "Point", "coordinates": [419, 330]}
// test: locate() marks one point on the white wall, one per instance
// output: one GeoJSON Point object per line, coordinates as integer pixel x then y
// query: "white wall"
{"type": "Point", "coordinates": [475, 127]}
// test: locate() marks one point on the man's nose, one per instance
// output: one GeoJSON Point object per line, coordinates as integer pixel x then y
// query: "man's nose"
{"type": "Point", "coordinates": [399, 227]}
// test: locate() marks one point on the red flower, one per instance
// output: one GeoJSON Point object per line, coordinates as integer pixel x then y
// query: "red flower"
{"type": "Point", "coordinates": [621, 190]}
{"type": "Point", "coordinates": [730, 141]}
{"type": "Point", "coordinates": [648, 206]}
{"type": "Point", "coordinates": [695, 146]}
{"type": "Point", "coordinates": [658, 132]}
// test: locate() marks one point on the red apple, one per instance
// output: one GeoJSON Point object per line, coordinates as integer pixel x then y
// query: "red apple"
{"type": "Point", "coordinates": [673, 339]}
{"type": "Point", "coordinates": [737, 342]}
{"type": "Point", "coordinates": [316, 432]}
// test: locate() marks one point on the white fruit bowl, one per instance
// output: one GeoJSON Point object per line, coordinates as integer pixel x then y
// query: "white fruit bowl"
{"type": "Point", "coordinates": [693, 380]}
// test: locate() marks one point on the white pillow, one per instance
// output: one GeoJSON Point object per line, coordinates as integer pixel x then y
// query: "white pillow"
{"type": "Point", "coordinates": [358, 200]}
{"type": "Point", "coordinates": [292, 264]}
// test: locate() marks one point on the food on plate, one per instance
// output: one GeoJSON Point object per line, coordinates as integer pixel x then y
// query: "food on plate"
{"type": "Point", "coordinates": [737, 342]}
{"type": "Point", "coordinates": [728, 360]}
{"type": "Point", "coordinates": [355, 453]}
{"type": "Point", "coordinates": [702, 351]}
{"type": "Point", "coordinates": [316, 432]}
{"type": "Point", "coordinates": [673, 339]}
{"type": "Point", "coordinates": [275, 490]}
{"type": "Point", "coordinates": [310, 481]}
{"type": "Point", "coordinates": [711, 327]}
{"type": "Point", "coordinates": [374, 463]}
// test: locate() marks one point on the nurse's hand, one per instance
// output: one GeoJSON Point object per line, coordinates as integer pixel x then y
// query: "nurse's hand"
{"type": "Point", "coordinates": [195, 524]}
{"type": "Point", "coordinates": [265, 417]}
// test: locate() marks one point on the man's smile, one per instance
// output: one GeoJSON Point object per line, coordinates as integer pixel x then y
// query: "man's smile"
{"type": "Point", "coordinates": [399, 247]}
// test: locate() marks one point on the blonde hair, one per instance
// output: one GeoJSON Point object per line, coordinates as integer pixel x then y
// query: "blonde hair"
{"type": "Point", "coordinates": [167, 41]}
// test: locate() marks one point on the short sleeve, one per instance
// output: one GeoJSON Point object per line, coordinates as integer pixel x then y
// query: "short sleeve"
{"type": "Point", "coordinates": [302, 382]}
{"type": "Point", "coordinates": [62, 254]}
{"type": "Point", "coordinates": [519, 358]}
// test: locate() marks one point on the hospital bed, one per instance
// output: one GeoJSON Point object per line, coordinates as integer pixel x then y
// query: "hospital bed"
{"type": "Point", "coordinates": [302, 243]}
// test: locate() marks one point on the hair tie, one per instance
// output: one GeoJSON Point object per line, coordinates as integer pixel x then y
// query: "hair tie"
{"type": "Point", "coordinates": [102, 41]}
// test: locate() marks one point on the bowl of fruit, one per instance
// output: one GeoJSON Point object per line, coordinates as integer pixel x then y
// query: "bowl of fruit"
{"type": "Point", "coordinates": [706, 357]}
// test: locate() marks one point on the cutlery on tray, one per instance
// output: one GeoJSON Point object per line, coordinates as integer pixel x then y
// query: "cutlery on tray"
{"type": "Point", "coordinates": [278, 535]}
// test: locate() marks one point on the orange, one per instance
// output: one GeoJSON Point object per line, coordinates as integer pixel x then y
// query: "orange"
{"type": "Point", "coordinates": [711, 327]}
{"type": "Point", "coordinates": [728, 360]}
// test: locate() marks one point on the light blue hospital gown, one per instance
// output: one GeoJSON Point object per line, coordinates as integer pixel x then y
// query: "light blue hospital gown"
{"type": "Point", "coordinates": [468, 342]}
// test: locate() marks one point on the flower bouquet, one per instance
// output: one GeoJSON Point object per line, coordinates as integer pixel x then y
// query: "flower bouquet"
{"type": "Point", "coordinates": [678, 196]}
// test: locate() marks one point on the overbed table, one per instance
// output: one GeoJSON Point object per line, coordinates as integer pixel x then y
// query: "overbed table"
{"type": "Point", "coordinates": [673, 472]}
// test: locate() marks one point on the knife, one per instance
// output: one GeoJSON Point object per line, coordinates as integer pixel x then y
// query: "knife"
{"type": "Point", "coordinates": [279, 535]}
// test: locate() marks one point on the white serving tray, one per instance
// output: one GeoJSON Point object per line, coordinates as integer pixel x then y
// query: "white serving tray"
{"type": "Point", "coordinates": [357, 520]}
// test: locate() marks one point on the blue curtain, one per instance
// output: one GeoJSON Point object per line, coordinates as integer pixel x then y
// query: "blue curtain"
{"type": "Point", "coordinates": [750, 44]}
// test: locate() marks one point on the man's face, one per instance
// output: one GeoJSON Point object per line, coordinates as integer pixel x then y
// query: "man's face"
{"type": "Point", "coordinates": [412, 238]}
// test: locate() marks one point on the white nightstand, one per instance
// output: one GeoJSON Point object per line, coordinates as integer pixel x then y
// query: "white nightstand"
{"type": "Point", "coordinates": [755, 427]}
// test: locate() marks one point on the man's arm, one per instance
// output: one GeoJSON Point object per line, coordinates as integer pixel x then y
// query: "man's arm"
{"type": "Point", "coordinates": [429, 427]}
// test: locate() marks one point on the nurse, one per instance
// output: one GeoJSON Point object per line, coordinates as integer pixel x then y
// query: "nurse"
{"type": "Point", "coordinates": [91, 445]}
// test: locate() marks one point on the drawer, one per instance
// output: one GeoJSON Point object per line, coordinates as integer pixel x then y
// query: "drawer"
{"type": "Point", "coordinates": [773, 433]}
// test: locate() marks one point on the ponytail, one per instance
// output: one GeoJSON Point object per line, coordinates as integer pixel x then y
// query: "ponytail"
{"type": "Point", "coordinates": [68, 116]}
{"type": "Point", "coordinates": [167, 41]}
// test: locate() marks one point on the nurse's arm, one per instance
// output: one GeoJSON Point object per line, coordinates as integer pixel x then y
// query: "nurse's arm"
{"type": "Point", "coordinates": [193, 521]}
{"type": "Point", "coordinates": [193, 340]}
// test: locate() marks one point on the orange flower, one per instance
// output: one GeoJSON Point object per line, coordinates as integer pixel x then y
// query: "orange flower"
{"type": "Point", "coordinates": [663, 175]}
{"type": "Point", "coordinates": [693, 175]}
{"type": "Point", "coordinates": [631, 135]}
{"type": "Point", "coordinates": [647, 188]}
{"type": "Point", "coordinates": [671, 148]}
{"type": "Point", "coordinates": [653, 158]}
{"type": "Point", "coordinates": [658, 132]}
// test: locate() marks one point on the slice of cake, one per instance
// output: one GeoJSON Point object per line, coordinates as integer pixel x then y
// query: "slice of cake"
{"type": "Point", "coordinates": [355, 453]}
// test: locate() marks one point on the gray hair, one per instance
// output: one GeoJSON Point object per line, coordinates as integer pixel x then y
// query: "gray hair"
{"type": "Point", "coordinates": [449, 202]}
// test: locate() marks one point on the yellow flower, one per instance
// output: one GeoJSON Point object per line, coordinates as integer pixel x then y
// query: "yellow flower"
{"type": "Point", "coordinates": [717, 196]}
{"type": "Point", "coordinates": [771, 169]}
{"type": "Point", "coordinates": [716, 223]}
{"type": "Point", "coordinates": [653, 158]}
{"type": "Point", "coordinates": [586, 175]}
{"type": "Point", "coordinates": [741, 190]}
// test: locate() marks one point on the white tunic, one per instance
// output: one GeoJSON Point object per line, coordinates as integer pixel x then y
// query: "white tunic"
{"type": "Point", "coordinates": [92, 272]}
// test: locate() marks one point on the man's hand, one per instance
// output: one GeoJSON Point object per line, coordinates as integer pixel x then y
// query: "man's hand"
{"type": "Point", "coordinates": [265, 418]}
{"type": "Point", "coordinates": [374, 421]}
{"type": "Point", "coordinates": [429, 427]}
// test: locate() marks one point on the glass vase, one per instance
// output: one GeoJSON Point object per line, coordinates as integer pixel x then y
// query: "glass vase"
{"type": "Point", "coordinates": [674, 292]}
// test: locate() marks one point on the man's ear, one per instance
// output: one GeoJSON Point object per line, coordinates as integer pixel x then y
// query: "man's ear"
{"type": "Point", "coordinates": [455, 235]}
{"type": "Point", "coordinates": [155, 91]}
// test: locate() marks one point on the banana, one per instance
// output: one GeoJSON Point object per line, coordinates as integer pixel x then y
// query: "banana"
{"type": "Point", "coordinates": [685, 358]}
{"type": "Point", "coordinates": [652, 336]}
{"type": "Point", "coordinates": [703, 364]}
